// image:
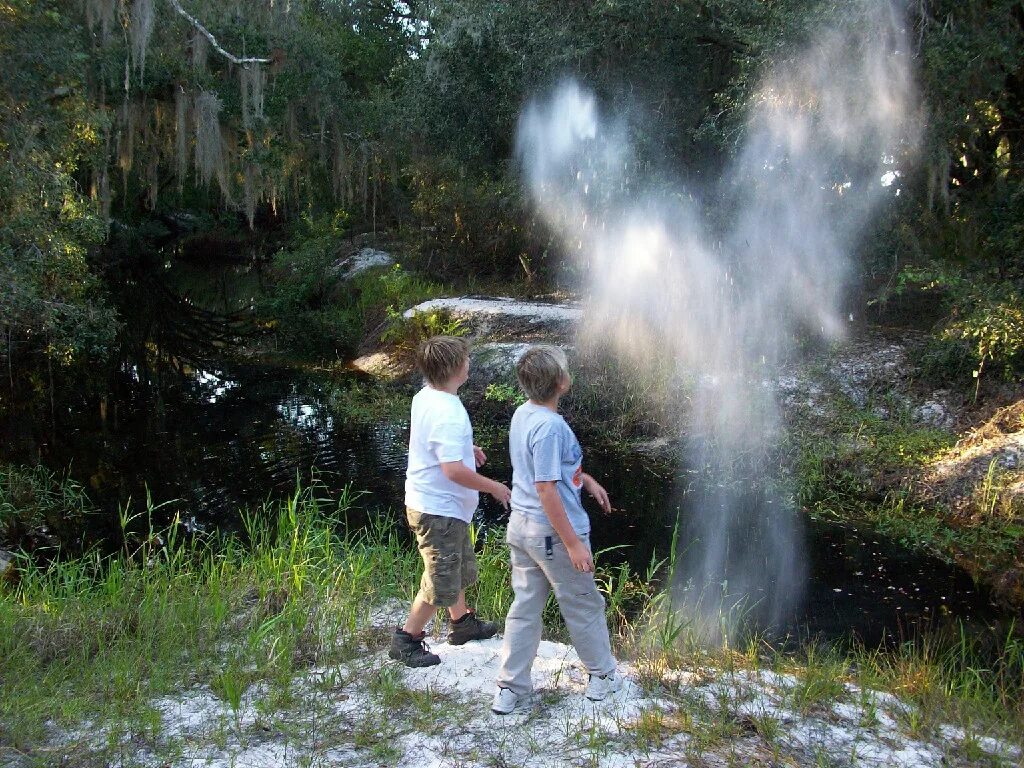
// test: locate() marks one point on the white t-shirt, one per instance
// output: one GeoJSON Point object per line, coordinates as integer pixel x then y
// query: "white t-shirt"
{"type": "Point", "coordinates": [439, 432]}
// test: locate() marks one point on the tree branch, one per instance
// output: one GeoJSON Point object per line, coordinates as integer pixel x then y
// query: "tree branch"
{"type": "Point", "coordinates": [213, 40]}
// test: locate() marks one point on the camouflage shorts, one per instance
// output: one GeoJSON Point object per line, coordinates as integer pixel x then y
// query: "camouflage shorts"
{"type": "Point", "coordinates": [449, 563]}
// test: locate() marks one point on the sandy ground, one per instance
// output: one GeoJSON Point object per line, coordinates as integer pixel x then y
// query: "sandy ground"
{"type": "Point", "coordinates": [374, 712]}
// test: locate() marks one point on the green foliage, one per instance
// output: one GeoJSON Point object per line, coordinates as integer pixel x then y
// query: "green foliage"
{"type": "Point", "coordinates": [838, 469]}
{"type": "Point", "coordinates": [986, 321]}
{"type": "Point", "coordinates": [35, 502]}
{"type": "Point", "coordinates": [312, 307]}
{"type": "Point", "coordinates": [49, 132]}
{"type": "Point", "coordinates": [407, 333]}
{"type": "Point", "coordinates": [370, 404]}
{"type": "Point", "coordinates": [994, 325]}
{"type": "Point", "coordinates": [505, 392]}
{"type": "Point", "coordinates": [485, 61]}
{"type": "Point", "coordinates": [300, 300]}
{"type": "Point", "coordinates": [475, 218]}
{"type": "Point", "coordinates": [173, 611]}
{"type": "Point", "coordinates": [291, 607]}
{"type": "Point", "coordinates": [861, 470]}
{"type": "Point", "coordinates": [382, 300]}
{"type": "Point", "coordinates": [946, 361]}
{"type": "Point", "coordinates": [405, 116]}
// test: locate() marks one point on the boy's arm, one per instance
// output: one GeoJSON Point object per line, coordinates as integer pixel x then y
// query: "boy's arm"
{"type": "Point", "coordinates": [596, 490]}
{"type": "Point", "coordinates": [459, 473]}
{"type": "Point", "coordinates": [555, 511]}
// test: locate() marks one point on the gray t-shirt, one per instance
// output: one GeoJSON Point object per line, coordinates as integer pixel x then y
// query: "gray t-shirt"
{"type": "Point", "coordinates": [543, 447]}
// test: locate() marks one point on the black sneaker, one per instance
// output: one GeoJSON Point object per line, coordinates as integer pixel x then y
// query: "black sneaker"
{"type": "Point", "coordinates": [471, 627]}
{"type": "Point", "coordinates": [411, 650]}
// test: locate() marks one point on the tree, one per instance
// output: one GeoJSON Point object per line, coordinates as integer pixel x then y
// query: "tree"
{"type": "Point", "coordinates": [49, 130]}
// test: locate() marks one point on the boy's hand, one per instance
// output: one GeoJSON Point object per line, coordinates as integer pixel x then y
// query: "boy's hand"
{"type": "Point", "coordinates": [581, 558]}
{"type": "Point", "coordinates": [501, 493]}
{"type": "Point", "coordinates": [596, 490]}
{"type": "Point", "coordinates": [479, 455]}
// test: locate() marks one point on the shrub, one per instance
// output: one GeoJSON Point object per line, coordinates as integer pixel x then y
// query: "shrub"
{"type": "Point", "coordinates": [407, 333]}
{"type": "Point", "coordinates": [299, 301]}
{"type": "Point", "coordinates": [476, 225]}
{"type": "Point", "coordinates": [985, 325]}
{"type": "Point", "coordinates": [383, 298]}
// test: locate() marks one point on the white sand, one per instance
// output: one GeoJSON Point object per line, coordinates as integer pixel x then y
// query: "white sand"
{"type": "Point", "coordinates": [334, 705]}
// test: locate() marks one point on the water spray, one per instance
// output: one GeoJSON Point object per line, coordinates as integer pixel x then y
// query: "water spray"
{"type": "Point", "coordinates": [725, 305]}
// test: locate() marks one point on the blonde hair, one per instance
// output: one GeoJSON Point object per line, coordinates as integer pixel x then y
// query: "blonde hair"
{"type": "Point", "coordinates": [440, 357]}
{"type": "Point", "coordinates": [539, 371]}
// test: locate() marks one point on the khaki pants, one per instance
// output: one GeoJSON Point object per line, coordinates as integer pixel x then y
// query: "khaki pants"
{"type": "Point", "coordinates": [540, 563]}
{"type": "Point", "coordinates": [449, 563]}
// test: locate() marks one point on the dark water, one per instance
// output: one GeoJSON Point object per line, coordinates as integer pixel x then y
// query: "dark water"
{"type": "Point", "coordinates": [235, 436]}
{"type": "Point", "coordinates": [216, 437]}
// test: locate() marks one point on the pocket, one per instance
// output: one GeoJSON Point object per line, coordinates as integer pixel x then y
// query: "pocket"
{"type": "Point", "coordinates": [436, 525]}
{"type": "Point", "coordinates": [547, 546]}
{"type": "Point", "coordinates": [412, 517]}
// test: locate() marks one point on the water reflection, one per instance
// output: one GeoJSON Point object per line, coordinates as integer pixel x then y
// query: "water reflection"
{"type": "Point", "coordinates": [214, 383]}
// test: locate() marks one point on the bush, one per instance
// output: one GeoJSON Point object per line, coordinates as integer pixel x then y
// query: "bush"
{"type": "Point", "coordinates": [984, 327]}
{"type": "Point", "coordinates": [946, 361]}
{"type": "Point", "coordinates": [406, 334]}
{"type": "Point", "coordinates": [477, 225]}
{"type": "Point", "coordinates": [299, 301]}
{"type": "Point", "coordinates": [383, 298]}
{"type": "Point", "coordinates": [311, 309]}
{"type": "Point", "coordinates": [993, 323]}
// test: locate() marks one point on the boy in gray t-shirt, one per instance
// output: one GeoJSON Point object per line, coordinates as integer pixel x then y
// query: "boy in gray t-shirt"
{"type": "Point", "coordinates": [543, 448]}
{"type": "Point", "coordinates": [549, 537]}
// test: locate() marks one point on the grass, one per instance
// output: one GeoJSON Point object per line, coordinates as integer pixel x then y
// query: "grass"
{"type": "Point", "coordinates": [36, 500]}
{"type": "Point", "coordinates": [863, 468]}
{"type": "Point", "coordinates": [90, 643]}
{"type": "Point", "coordinates": [96, 639]}
{"type": "Point", "coordinates": [821, 680]}
{"type": "Point", "coordinates": [108, 635]}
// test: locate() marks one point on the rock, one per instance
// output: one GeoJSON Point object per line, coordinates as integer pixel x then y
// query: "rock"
{"type": "Point", "coordinates": [498, 358]}
{"type": "Point", "coordinates": [798, 392]}
{"type": "Point", "coordinates": [1010, 458]}
{"type": "Point", "coordinates": [361, 261]}
{"type": "Point", "coordinates": [1009, 586]}
{"type": "Point", "coordinates": [932, 413]}
{"type": "Point", "coordinates": [181, 221]}
{"type": "Point", "coordinates": [865, 369]}
{"type": "Point", "coordinates": [380, 364]}
{"type": "Point", "coordinates": [6, 562]}
{"type": "Point", "coordinates": [487, 305]}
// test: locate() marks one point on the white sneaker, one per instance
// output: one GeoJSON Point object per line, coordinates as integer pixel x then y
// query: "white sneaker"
{"type": "Point", "coordinates": [506, 700]}
{"type": "Point", "coordinates": [602, 686]}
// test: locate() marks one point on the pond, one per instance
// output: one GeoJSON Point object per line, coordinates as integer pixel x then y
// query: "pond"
{"type": "Point", "coordinates": [217, 436]}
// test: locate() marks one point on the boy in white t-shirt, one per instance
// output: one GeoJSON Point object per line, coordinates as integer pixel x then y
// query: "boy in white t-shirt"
{"type": "Point", "coordinates": [441, 492]}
